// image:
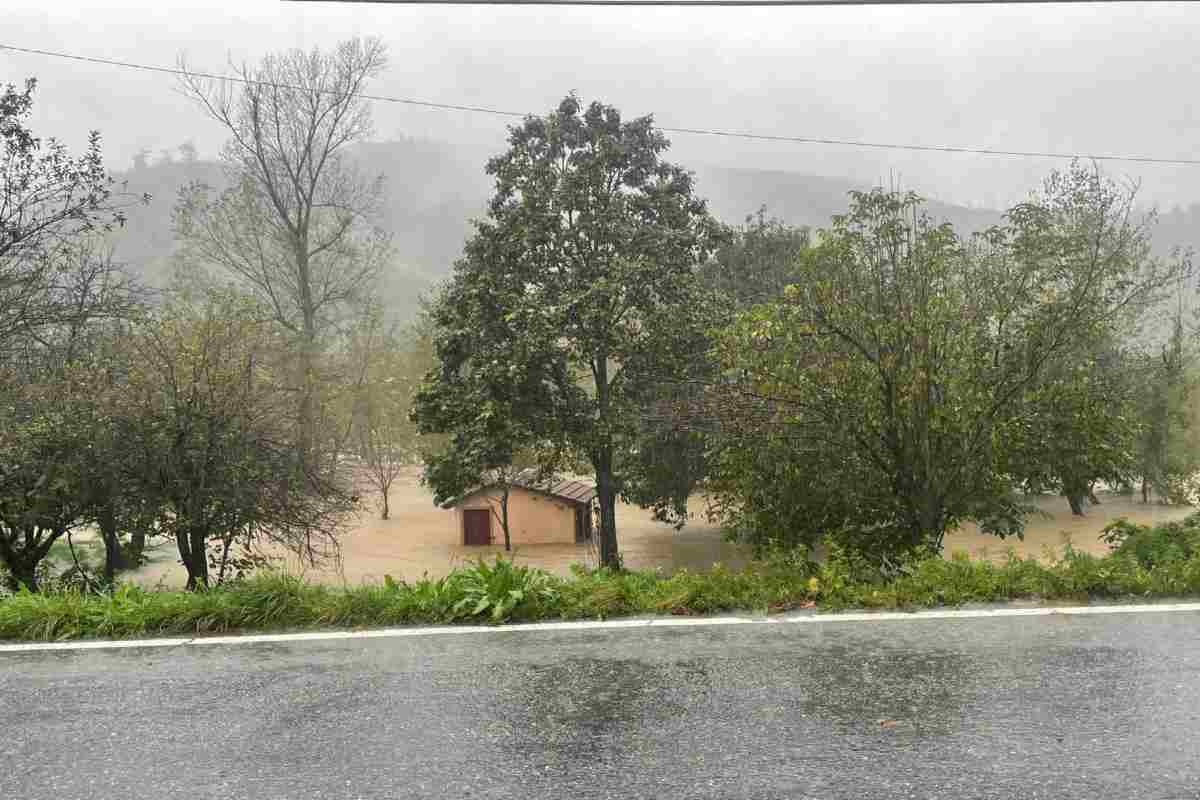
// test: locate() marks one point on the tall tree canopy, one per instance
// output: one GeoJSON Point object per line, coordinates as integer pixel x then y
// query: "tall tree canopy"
{"type": "Point", "coordinates": [578, 290]}
{"type": "Point", "coordinates": [757, 260]}
{"type": "Point", "coordinates": [297, 222]}
{"type": "Point", "coordinates": [889, 378]}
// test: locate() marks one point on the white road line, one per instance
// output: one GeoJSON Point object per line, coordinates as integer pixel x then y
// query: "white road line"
{"type": "Point", "coordinates": [655, 622]}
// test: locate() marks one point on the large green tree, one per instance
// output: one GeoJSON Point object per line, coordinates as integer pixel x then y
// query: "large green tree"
{"type": "Point", "coordinates": [578, 283]}
{"type": "Point", "coordinates": [1076, 427]}
{"type": "Point", "coordinates": [756, 261]}
{"type": "Point", "coordinates": [892, 367]}
{"type": "Point", "coordinates": [1167, 455]}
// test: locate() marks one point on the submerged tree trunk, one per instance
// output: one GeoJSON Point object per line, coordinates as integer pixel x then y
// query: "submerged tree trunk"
{"type": "Point", "coordinates": [136, 547]}
{"type": "Point", "coordinates": [386, 510]}
{"type": "Point", "coordinates": [22, 564]}
{"type": "Point", "coordinates": [607, 496]}
{"type": "Point", "coordinates": [22, 573]}
{"type": "Point", "coordinates": [504, 519]}
{"type": "Point", "coordinates": [602, 461]}
{"type": "Point", "coordinates": [226, 545]}
{"type": "Point", "coordinates": [1145, 491]}
{"type": "Point", "coordinates": [114, 556]}
{"type": "Point", "coordinates": [1076, 490]}
{"type": "Point", "coordinates": [193, 552]}
{"type": "Point", "coordinates": [308, 354]}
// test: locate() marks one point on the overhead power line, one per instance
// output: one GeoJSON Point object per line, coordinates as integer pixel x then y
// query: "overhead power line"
{"type": "Point", "coordinates": [728, 134]}
{"type": "Point", "coordinates": [732, 3]}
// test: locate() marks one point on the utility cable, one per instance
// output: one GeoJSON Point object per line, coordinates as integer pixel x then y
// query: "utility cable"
{"type": "Point", "coordinates": [727, 134]}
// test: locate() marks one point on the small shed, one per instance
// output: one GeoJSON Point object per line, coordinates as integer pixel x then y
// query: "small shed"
{"type": "Point", "coordinates": [555, 511]}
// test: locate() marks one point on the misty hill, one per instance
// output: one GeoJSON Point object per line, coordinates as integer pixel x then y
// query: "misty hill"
{"type": "Point", "coordinates": [434, 190]}
{"type": "Point", "coordinates": [810, 200]}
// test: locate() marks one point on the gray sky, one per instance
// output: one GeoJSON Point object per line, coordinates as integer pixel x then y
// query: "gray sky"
{"type": "Point", "coordinates": [1118, 79]}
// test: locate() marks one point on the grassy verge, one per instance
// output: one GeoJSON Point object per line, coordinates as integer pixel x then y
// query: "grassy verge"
{"type": "Point", "coordinates": [1146, 563]}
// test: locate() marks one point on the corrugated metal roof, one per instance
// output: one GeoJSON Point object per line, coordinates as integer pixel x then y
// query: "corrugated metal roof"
{"type": "Point", "coordinates": [573, 491]}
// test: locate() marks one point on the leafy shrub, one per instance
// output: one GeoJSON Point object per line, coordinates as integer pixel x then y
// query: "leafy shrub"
{"type": "Point", "coordinates": [603, 593]}
{"type": "Point", "coordinates": [1148, 562]}
{"type": "Point", "coordinates": [502, 590]}
{"type": "Point", "coordinates": [1180, 489]}
{"type": "Point", "coordinates": [1170, 542]}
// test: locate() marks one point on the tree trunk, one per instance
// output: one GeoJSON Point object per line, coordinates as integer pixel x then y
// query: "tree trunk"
{"type": "Point", "coordinates": [114, 556]}
{"type": "Point", "coordinates": [225, 547]}
{"type": "Point", "coordinates": [504, 519]}
{"type": "Point", "coordinates": [1075, 500]}
{"type": "Point", "coordinates": [193, 551]}
{"type": "Point", "coordinates": [606, 494]}
{"type": "Point", "coordinates": [386, 510]}
{"type": "Point", "coordinates": [1145, 491]}
{"type": "Point", "coordinates": [932, 524]}
{"type": "Point", "coordinates": [22, 573]}
{"type": "Point", "coordinates": [1091, 495]}
{"type": "Point", "coordinates": [22, 564]}
{"type": "Point", "coordinates": [308, 355]}
{"type": "Point", "coordinates": [606, 490]}
{"type": "Point", "coordinates": [136, 547]}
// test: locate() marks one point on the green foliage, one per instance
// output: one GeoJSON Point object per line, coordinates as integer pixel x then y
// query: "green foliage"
{"type": "Point", "coordinates": [57, 294]}
{"type": "Point", "coordinates": [1167, 543]}
{"type": "Point", "coordinates": [503, 590]}
{"type": "Point", "coordinates": [1168, 452]}
{"type": "Point", "coordinates": [903, 382]}
{"type": "Point", "coordinates": [1163, 561]}
{"type": "Point", "coordinates": [210, 422]}
{"type": "Point", "coordinates": [572, 295]}
{"type": "Point", "coordinates": [50, 199]}
{"type": "Point", "coordinates": [757, 261]}
{"type": "Point", "coordinates": [1077, 425]}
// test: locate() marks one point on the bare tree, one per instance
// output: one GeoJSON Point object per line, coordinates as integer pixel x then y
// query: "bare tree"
{"type": "Point", "coordinates": [296, 223]}
{"type": "Point", "coordinates": [389, 362]}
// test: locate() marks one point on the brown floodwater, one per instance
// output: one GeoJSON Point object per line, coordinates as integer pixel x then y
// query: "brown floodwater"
{"type": "Point", "coordinates": [401, 546]}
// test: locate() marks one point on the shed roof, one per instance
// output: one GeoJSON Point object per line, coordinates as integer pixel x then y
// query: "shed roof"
{"type": "Point", "coordinates": [573, 491]}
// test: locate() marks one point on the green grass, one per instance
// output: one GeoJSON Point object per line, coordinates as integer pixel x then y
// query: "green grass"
{"type": "Point", "coordinates": [1146, 563]}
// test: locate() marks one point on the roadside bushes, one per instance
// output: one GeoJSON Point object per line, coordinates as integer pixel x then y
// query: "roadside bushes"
{"type": "Point", "coordinates": [1151, 546]}
{"type": "Point", "coordinates": [503, 591]}
{"type": "Point", "coordinates": [1163, 561]}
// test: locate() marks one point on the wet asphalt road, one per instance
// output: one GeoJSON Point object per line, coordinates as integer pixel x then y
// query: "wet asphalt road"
{"type": "Point", "coordinates": [1049, 707]}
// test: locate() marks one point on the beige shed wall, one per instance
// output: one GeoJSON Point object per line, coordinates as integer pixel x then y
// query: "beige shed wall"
{"type": "Point", "coordinates": [533, 518]}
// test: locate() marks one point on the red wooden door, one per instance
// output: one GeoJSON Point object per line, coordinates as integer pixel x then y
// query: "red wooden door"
{"type": "Point", "coordinates": [477, 526]}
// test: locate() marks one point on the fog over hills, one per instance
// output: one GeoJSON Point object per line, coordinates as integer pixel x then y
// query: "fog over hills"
{"type": "Point", "coordinates": [434, 190]}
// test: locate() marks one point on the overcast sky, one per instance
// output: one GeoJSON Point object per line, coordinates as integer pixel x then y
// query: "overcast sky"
{"type": "Point", "coordinates": [1119, 79]}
